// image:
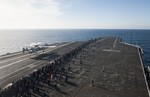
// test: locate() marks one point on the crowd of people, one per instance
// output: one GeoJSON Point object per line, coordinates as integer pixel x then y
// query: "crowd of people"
{"type": "Point", "coordinates": [47, 74]}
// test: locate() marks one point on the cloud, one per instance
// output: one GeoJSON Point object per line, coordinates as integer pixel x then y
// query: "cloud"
{"type": "Point", "coordinates": [23, 13]}
{"type": "Point", "coordinates": [50, 7]}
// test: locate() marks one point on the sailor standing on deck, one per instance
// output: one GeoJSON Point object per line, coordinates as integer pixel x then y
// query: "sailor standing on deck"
{"type": "Point", "coordinates": [93, 82]}
{"type": "Point", "coordinates": [23, 50]}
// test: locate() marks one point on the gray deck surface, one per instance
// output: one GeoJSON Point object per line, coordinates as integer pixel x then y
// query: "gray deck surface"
{"type": "Point", "coordinates": [15, 66]}
{"type": "Point", "coordinates": [115, 67]}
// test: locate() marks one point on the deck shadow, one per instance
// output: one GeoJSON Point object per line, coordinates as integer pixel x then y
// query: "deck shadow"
{"type": "Point", "coordinates": [72, 83]}
{"type": "Point", "coordinates": [47, 56]}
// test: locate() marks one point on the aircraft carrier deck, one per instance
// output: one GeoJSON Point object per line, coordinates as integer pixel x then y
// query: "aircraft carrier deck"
{"type": "Point", "coordinates": [105, 68]}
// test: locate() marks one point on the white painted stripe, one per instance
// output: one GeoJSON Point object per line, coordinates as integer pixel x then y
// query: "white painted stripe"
{"type": "Point", "coordinates": [12, 63]}
{"type": "Point", "coordinates": [132, 45]}
{"type": "Point", "coordinates": [102, 39]}
{"type": "Point", "coordinates": [13, 58]}
{"type": "Point", "coordinates": [11, 54]}
{"type": "Point", "coordinates": [30, 66]}
{"type": "Point", "coordinates": [114, 44]}
{"type": "Point", "coordinates": [12, 77]}
{"type": "Point", "coordinates": [111, 50]}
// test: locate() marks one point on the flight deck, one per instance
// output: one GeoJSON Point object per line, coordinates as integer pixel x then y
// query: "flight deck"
{"type": "Point", "coordinates": [106, 67]}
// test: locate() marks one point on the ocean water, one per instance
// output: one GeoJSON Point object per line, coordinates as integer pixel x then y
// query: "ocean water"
{"type": "Point", "coordinates": [14, 40]}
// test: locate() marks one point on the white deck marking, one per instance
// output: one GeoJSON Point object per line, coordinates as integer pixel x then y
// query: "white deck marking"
{"type": "Point", "coordinates": [114, 44]}
{"type": "Point", "coordinates": [14, 58]}
{"type": "Point", "coordinates": [102, 39]}
{"type": "Point", "coordinates": [111, 50]}
{"type": "Point", "coordinates": [12, 63]}
{"type": "Point", "coordinates": [7, 55]}
{"type": "Point", "coordinates": [30, 66]}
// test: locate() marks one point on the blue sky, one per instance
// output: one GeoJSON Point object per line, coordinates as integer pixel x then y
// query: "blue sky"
{"type": "Point", "coordinates": [99, 14]}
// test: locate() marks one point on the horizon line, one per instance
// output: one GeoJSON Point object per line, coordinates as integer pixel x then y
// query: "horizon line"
{"type": "Point", "coordinates": [74, 28]}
